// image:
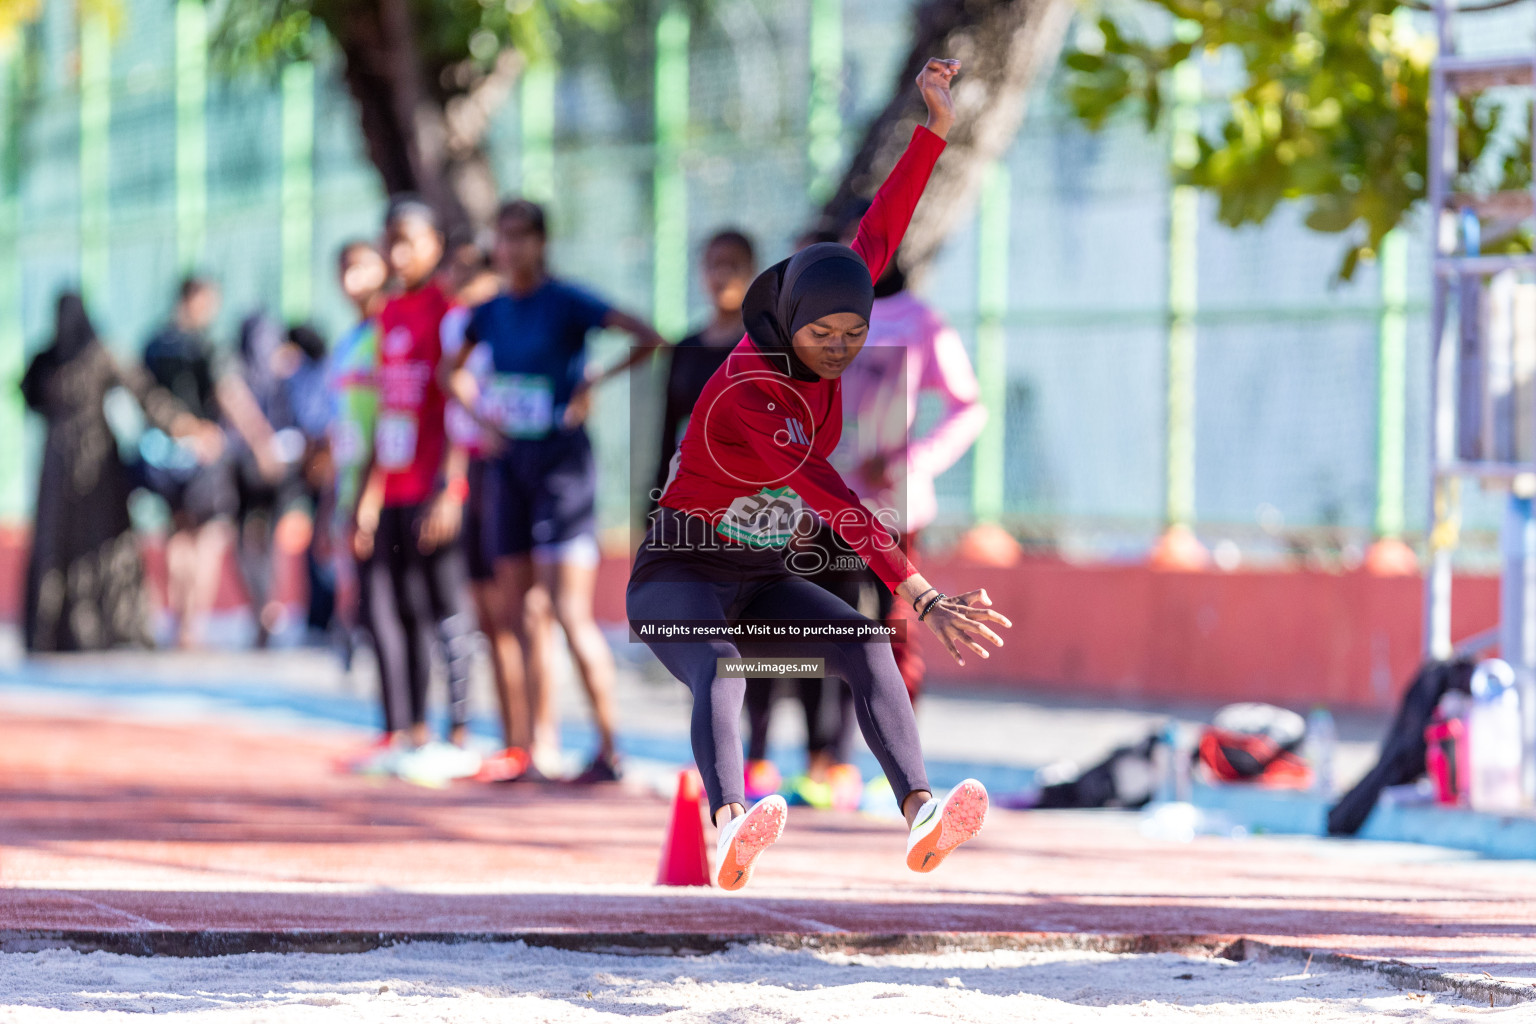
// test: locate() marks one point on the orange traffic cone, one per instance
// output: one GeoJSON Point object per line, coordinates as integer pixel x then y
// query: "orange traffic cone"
{"type": "Point", "coordinates": [683, 858]}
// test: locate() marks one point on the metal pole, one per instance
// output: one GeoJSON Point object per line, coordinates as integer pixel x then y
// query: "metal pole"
{"type": "Point", "coordinates": [191, 132]}
{"type": "Point", "coordinates": [669, 262]}
{"type": "Point", "coordinates": [1444, 492]}
{"type": "Point", "coordinates": [13, 486]}
{"type": "Point", "coordinates": [297, 188]}
{"type": "Point", "coordinates": [536, 112]}
{"type": "Point", "coordinates": [1517, 619]}
{"type": "Point", "coordinates": [1183, 301]}
{"type": "Point", "coordinates": [1391, 383]}
{"type": "Point", "coordinates": [1527, 671]}
{"type": "Point", "coordinates": [1442, 497]}
{"type": "Point", "coordinates": [95, 164]}
{"type": "Point", "coordinates": [993, 230]}
{"type": "Point", "coordinates": [824, 120]}
{"type": "Point", "coordinates": [1517, 602]}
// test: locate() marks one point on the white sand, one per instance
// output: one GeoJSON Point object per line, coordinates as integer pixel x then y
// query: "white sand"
{"type": "Point", "coordinates": [757, 985]}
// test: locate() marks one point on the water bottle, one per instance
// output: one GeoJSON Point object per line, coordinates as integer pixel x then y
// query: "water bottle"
{"type": "Point", "coordinates": [1493, 733]}
{"type": "Point", "coordinates": [1322, 739]}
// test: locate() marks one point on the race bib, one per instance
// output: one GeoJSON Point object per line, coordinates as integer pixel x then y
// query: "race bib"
{"type": "Point", "coordinates": [763, 520]}
{"type": "Point", "coordinates": [520, 405]}
{"type": "Point", "coordinates": [395, 440]}
{"type": "Point", "coordinates": [346, 442]}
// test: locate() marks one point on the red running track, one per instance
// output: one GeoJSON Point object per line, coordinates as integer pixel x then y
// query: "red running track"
{"type": "Point", "coordinates": [119, 826]}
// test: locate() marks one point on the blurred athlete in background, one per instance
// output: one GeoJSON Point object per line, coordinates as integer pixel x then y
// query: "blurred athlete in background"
{"type": "Point", "coordinates": [545, 483]}
{"type": "Point", "coordinates": [472, 281]}
{"type": "Point", "coordinates": [202, 494]}
{"type": "Point", "coordinates": [412, 506]}
{"type": "Point", "coordinates": [351, 374]}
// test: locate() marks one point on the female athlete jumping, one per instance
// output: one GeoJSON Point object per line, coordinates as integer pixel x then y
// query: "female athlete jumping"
{"type": "Point", "coordinates": [752, 465]}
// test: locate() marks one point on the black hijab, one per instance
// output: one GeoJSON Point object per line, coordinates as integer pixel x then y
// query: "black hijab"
{"type": "Point", "coordinates": [72, 328]}
{"type": "Point", "coordinates": [818, 280]}
{"type": "Point", "coordinates": [73, 335]}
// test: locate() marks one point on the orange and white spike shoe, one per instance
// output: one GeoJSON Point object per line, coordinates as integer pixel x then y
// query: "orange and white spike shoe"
{"type": "Point", "coordinates": [940, 827]}
{"type": "Point", "coordinates": [744, 838]}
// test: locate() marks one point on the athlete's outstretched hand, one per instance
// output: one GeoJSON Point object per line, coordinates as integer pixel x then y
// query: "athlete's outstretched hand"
{"type": "Point", "coordinates": [961, 622]}
{"type": "Point", "coordinates": [933, 82]}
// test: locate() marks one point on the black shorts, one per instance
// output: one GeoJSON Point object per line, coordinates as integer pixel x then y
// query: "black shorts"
{"type": "Point", "coordinates": [479, 542]}
{"type": "Point", "coordinates": [543, 495]}
{"type": "Point", "coordinates": [211, 492]}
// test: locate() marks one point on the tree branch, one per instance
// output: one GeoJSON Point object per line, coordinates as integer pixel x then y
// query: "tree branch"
{"type": "Point", "coordinates": [469, 116]}
{"type": "Point", "coordinates": [1003, 45]}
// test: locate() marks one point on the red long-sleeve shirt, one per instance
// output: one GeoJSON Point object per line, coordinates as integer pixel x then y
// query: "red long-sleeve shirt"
{"type": "Point", "coordinates": [756, 448]}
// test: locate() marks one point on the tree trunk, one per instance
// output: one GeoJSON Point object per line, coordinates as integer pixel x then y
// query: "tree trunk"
{"type": "Point", "coordinates": [421, 137]}
{"type": "Point", "coordinates": [1003, 45]}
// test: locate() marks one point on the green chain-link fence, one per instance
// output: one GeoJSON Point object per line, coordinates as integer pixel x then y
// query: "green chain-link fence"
{"type": "Point", "coordinates": [258, 180]}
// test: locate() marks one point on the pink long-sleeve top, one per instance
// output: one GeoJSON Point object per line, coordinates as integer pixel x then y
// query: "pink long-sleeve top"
{"type": "Point", "coordinates": [910, 350]}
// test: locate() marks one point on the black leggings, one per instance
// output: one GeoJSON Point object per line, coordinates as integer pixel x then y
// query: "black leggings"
{"type": "Point", "coordinates": [382, 621]}
{"type": "Point", "coordinates": [687, 592]}
{"type": "Point", "coordinates": [413, 600]}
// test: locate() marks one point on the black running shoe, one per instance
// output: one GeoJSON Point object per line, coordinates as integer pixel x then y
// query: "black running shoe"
{"type": "Point", "coordinates": [604, 768]}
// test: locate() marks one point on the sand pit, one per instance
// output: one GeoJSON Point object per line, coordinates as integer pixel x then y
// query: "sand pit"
{"type": "Point", "coordinates": [472, 983]}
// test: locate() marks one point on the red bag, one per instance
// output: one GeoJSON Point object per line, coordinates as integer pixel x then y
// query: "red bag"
{"type": "Point", "coordinates": [1230, 756]}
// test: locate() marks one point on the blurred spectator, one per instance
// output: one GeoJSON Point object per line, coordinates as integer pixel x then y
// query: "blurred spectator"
{"type": "Point", "coordinates": [301, 365]}
{"type": "Point", "coordinates": [203, 496]}
{"type": "Point", "coordinates": [268, 493]}
{"type": "Point", "coordinates": [349, 387]}
{"type": "Point", "coordinates": [84, 588]}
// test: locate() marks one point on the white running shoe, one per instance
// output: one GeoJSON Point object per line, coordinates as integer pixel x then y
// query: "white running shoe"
{"type": "Point", "coordinates": [744, 837]}
{"type": "Point", "coordinates": [436, 764]}
{"type": "Point", "coordinates": [940, 827]}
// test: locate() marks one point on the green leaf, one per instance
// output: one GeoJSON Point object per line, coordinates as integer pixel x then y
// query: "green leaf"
{"type": "Point", "coordinates": [1330, 107]}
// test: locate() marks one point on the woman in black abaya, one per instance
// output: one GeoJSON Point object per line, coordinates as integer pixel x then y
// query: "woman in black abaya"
{"type": "Point", "coordinates": [84, 586]}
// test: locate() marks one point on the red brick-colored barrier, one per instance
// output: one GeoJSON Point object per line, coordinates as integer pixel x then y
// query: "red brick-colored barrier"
{"type": "Point", "coordinates": [1293, 637]}
{"type": "Point", "coordinates": [1127, 632]}
{"type": "Point", "coordinates": [1130, 632]}
{"type": "Point", "coordinates": [13, 570]}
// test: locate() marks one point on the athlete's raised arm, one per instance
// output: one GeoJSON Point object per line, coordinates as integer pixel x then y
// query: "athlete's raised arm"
{"type": "Point", "coordinates": [884, 224]}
